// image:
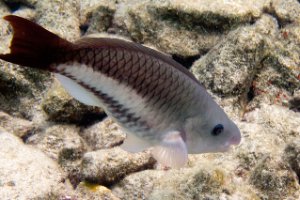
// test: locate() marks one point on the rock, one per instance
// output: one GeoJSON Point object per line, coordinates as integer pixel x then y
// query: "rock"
{"type": "Point", "coordinates": [63, 144]}
{"type": "Point", "coordinates": [294, 104]}
{"type": "Point", "coordinates": [97, 15]}
{"type": "Point", "coordinates": [275, 179]}
{"type": "Point", "coordinates": [26, 12]}
{"type": "Point", "coordinates": [186, 28]}
{"type": "Point", "coordinates": [21, 90]}
{"type": "Point", "coordinates": [110, 165]}
{"type": "Point", "coordinates": [19, 127]}
{"type": "Point", "coordinates": [27, 173]}
{"type": "Point", "coordinates": [194, 183]}
{"type": "Point", "coordinates": [237, 174]}
{"type": "Point", "coordinates": [59, 142]}
{"type": "Point", "coordinates": [292, 155]}
{"type": "Point", "coordinates": [61, 107]}
{"type": "Point", "coordinates": [4, 10]}
{"type": "Point", "coordinates": [229, 68]}
{"type": "Point", "coordinates": [287, 11]}
{"type": "Point", "coordinates": [4, 31]}
{"type": "Point", "coordinates": [138, 185]}
{"type": "Point", "coordinates": [257, 64]}
{"type": "Point", "coordinates": [94, 192]}
{"type": "Point", "coordinates": [103, 135]}
{"type": "Point", "coordinates": [16, 97]}
{"type": "Point", "coordinates": [266, 131]}
{"type": "Point", "coordinates": [60, 17]}
{"type": "Point", "coordinates": [278, 81]}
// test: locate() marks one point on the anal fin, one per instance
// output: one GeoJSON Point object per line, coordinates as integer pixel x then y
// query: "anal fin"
{"type": "Point", "coordinates": [172, 152]}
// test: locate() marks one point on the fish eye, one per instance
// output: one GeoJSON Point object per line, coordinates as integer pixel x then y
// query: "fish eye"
{"type": "Point", "coordinates": [218, 129]}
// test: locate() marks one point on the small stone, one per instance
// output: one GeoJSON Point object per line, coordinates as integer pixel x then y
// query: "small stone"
{"type": "Point", "coordinates": [21, 90]}
{"type": "Point", "coordinates": [97, 15]}
{"type": "Point", "coordinates": [103, 135]}
{"type": "Point", "coordinates": [59, 142]}
{"type": "Point", "coordinates": [110, 165]}
{"type": "Point", "coordinates": [63, 144]}
{"type": "Point", "coordinates": [138, 185]}
{"type": "Point", "coordinates": [60, 17]}
{"type": "Point", "coordinates": [287, 11]}
{"type": "Point", "coordinates": [19, 127]}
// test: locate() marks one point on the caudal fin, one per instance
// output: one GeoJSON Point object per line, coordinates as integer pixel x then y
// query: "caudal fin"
{"type": "Point", "coordinates": [32, 45]}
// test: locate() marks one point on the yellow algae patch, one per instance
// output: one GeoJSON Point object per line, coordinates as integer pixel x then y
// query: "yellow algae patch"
{"type": "Point", "coordinates": [218, 176]}
{"type": "Point", "coordinates": [95, 187]}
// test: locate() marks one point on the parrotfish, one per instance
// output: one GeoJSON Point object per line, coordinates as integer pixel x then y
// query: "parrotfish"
{"type": "Point", "coordinates": [157, 101]}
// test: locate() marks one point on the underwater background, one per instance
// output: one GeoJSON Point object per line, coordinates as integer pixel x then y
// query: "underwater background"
{"type": "Point", "coordinates": [246, 53]}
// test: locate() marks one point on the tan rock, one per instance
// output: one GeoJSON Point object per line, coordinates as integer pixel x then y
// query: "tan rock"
{"type": "Point", "coordinates": [103, 135]}
{"type": "Point", "coordinates": [110, 165]}
{"type": "Point", "coordinates": [27, 173]}
{"type": "Point", "coordinates": [19, 127]}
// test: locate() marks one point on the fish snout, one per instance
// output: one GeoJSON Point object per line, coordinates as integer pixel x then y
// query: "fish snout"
{"type": "Point", "coordinates": [235, 139]}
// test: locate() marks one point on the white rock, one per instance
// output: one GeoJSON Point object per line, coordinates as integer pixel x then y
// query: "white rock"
{"type": "Point", "coordinates": [27, 173]}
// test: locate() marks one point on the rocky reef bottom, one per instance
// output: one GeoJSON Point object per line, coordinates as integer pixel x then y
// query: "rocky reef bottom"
{"type": "Point", "coordinates": [247, 55]}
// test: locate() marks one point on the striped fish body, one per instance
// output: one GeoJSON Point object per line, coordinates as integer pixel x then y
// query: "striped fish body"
{"type": "Point", "coordinates": [156, 100]}
{"type": "Point", "coordinates": [141, 91]}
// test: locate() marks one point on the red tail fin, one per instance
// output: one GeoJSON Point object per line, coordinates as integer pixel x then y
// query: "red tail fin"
{"type": "Point", "coordinates": [32, 45]}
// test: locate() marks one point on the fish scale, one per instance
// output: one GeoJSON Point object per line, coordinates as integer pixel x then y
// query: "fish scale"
{"type": "Point", "coordinates": [147, 76]}
{"type": "Point", "coordinates": [157, 100]}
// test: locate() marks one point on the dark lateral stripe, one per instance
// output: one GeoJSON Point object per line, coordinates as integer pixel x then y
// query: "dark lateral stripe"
{"type": "Point", "coordinates": [116, 109]}
{"type": "Point", "coordinates": [148, 76]}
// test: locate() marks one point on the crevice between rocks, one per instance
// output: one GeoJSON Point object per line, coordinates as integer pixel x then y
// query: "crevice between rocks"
{"type": "Point", "coordinates": [201, 23]}
{"type": "Point", "coordinates": [91, 118]}
{"type": "Point", "coordinates": [294, 104]}
{"type": "Point", "coordinates": [271, 11]}
{"type": "Point", "coordinates": [187, 62]}
{"type": "Point", "coordinates": [14, 6]}
{"type": "Point", "coordinates": [291, 158]}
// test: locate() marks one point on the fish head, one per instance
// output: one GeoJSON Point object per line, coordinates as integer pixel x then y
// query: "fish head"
{"type": "Point", "coordinates": [213, 132]}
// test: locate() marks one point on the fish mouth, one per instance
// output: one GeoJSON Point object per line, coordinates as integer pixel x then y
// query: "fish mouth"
{"type": "Point", "coordinates": [233, 141]}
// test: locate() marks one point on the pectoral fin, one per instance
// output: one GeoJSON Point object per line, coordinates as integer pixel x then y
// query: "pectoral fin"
{"type": "Point", "coordinates": [172, 152]}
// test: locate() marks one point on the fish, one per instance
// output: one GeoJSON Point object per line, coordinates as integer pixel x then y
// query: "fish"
{"type": "Point", "coordinates": [158, 102]}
